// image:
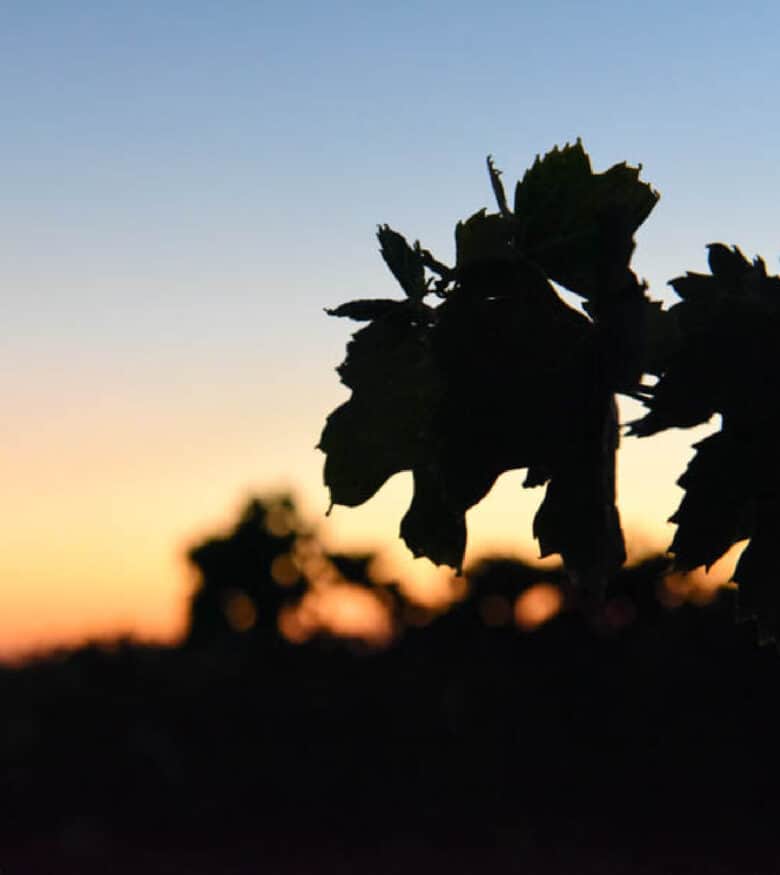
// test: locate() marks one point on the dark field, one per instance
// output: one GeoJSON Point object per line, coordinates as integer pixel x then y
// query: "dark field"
{"type": "Point", "coordinates": [652, 748]}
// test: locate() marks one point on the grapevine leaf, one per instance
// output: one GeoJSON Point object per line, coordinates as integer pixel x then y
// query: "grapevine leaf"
{"type": "Point", "coordinates": [432, 527]}
{"type": "Point", "coordinates": [578, 517]}
{"type": "Point", "coordinates": [366, 311]}
{"type": "Point", "coordinates": [406, 263]}
{"type": "Point", "coordinates": [579, 225]}
{"type": "Point", "coordinates": [378, 432]}
{"type": "Point", "coordinates": [726, 361]}
{"type": "Point", "coordinates": [729, 265]}
{"type": "Point", "coordinates": [482, 239]}
{"type": "Point", "coordinates": [717, 509]}
{"type": "Point", "coordinates": [725, 354]}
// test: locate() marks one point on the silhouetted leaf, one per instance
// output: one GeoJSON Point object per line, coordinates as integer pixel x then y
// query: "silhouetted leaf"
{"type": "Point", "coordinates": [432, 527]}
{"type": "Point", "coordinates": [579, 225]}
{"type": "Point", "coordinates": [381, 429]}
{"type": "Point", "coordinates": [365, 311]}
{"type": "Point", "coordinates": [717, 509]}
{"type": "Point", "coordinates": [482, 239]}
{"type": "Point", "coordinates": [578, 517]}
{"type": "Point", "coordinates": [407, 264]}
{"type": "Point", "coordinates": [726, 361]}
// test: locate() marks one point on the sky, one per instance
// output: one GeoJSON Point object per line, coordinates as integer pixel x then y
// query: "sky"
{"type": "Point", "coordinates": [187, 185]}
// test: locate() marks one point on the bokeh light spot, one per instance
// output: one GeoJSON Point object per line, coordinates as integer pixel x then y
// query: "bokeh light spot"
{"type": "Point", "coordinates": [280, 521]}
{"type": "Point", "coordinates": [538, 604]}
{"type": "Point", "coordinates": [295, 625]}
{"type": "Point", "coordinates": [240, 611]}
{"type": "Point", "coordinates": [459, 588]}
{"type": "Point", "coordinates": [284, 570]}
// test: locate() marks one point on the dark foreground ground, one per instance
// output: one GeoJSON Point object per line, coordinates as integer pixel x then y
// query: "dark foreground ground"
{"type": "Point", "coordinates": [650, 749]}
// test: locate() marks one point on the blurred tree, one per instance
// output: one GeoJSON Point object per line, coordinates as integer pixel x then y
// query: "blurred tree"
{"type": "Point", "coordinates": [247, 576]}
{"type": "Point", "coordinates": [271, 574]}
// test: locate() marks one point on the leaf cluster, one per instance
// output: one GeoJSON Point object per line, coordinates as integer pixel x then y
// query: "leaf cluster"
{"type": "Point", "coordinates": [482, 367]}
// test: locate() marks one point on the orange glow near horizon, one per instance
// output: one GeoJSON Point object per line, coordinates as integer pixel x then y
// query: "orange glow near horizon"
{"type": "Point", "coordinates": [537, 605]}
{"type": "Point", "coordinates": [699, 587]}
{"type": "Point", "coordinates": [103, 496]}
{"type": "Point", "coordinates": [332, 604]}
{"type": "Point", "coordinates": [340, 609]}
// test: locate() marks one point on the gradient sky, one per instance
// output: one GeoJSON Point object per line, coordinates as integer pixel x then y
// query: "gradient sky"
{"type": "Point", "coordinates": [187, 185]}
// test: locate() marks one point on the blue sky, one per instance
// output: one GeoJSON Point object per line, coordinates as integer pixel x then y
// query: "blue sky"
{"type": "Point", "coordinates": [186, 186]}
